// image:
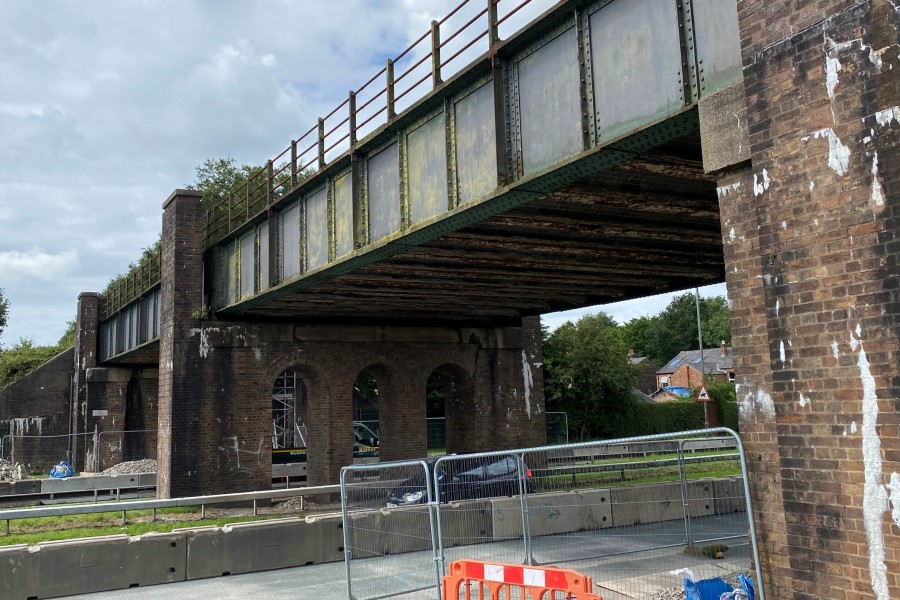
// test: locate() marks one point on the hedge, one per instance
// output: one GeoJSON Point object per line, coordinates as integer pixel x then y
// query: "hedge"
{"type": "Point", "coordinates": [663, 417]}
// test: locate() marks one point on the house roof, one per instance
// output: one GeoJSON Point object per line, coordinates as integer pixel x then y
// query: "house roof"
{"type": "Point", "coordinates": [637, 360]}
{"type": "Point", "coordinates": [713, 361]}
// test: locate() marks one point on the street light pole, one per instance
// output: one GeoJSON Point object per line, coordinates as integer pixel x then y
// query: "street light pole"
{"type": "Point", "coordinates": [702, 365]}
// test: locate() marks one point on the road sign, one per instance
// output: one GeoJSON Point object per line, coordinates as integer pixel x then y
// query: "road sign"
{"type": "Point", "coordinates": [703, 396]}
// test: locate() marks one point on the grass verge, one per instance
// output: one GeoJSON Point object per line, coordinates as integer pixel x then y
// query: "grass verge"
{"type": "Point", "coordinates": [46, 529]}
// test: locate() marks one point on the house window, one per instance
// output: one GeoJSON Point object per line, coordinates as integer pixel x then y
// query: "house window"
{"type": "Point", "coordinates": [731, 376]}
{"type": "Point", "coordinates": [664, 381]}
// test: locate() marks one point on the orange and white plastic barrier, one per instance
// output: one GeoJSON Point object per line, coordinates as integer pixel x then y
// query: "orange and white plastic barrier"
{"type": "Point", "coordinates": [476, 580]}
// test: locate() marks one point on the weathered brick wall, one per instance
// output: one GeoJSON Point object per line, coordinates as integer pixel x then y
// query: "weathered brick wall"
{"type": "Point", "coordinates": [38, 405]}
{"type": "Point", "coordinates": [811, 244]}
{"type": "Point", "coordinates": [87, 322]}
{"type": "Point", "coordinates": [186, 419]}
{"type": "Point", "coordinates": [141, 415]}
{"type": "Point", "coordinates": [237, 364]}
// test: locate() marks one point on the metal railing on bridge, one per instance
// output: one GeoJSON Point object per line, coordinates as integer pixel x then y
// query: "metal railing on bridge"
{"type": "Point", "coordinates": [436, 55]}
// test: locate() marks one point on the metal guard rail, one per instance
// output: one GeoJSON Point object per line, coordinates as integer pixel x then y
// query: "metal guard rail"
{"type": "Point", "coordinates": [132, 505]}
{"type": "Point", "coordinates": [619, 466]}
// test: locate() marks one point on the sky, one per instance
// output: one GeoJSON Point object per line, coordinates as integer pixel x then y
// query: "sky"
{"type": "Point", "coordinates": [109, 105]}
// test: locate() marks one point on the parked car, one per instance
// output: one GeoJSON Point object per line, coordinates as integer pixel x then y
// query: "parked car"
{"type": "Point", "coordinates": [465, 479]}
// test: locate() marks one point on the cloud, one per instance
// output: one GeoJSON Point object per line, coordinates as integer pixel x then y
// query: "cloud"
{"type": "Point", "coordinates": [109, 105]}
{"type": "Point", "coordinates": [36, 264]}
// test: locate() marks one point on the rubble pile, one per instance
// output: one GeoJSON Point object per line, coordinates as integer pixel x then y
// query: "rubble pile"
{"type": "Point", "coordinates": [677, 593]}
{"type": "Point", "coordinates": [10, 471]}
{"type": "Point", "coordinates": [133, 467]}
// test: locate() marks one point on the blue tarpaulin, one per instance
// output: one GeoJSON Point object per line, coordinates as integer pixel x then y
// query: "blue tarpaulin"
{"type": "Point", "coordinates": [706, 589]}
{"type": "Point", "coordinates": [62, 470]}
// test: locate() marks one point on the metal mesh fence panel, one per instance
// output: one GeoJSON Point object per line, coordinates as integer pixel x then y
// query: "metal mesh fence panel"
{"type": "Point", "coordinates": [627, 513]}
{"type": "Point", "coordinates": [389, 531]}
{"type": "Point", "coordinates": [480, 510]}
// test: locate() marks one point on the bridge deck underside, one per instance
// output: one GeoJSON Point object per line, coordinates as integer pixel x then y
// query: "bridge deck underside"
{"type": "Point", "coordinates": [649, 226]}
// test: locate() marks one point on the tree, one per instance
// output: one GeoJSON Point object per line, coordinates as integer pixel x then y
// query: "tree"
{"type": "Point", "coordinates": [68, 337]}
{"type": "Point", "coordinates": [587, 375]}
{"type": "Point", "coordinates": [675, 328]}
{"type": "Point", "coordinates": [217, 177]}
{"type": "Point", "coordinates": [4, 311]}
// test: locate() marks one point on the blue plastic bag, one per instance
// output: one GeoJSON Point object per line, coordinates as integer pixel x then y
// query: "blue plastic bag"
{"type": "Point", "coordinates": [706, 589]}
{"type": "Point", "coordinates": [747, 586]}
{"type": "Point", "coordinates": [62, 470]}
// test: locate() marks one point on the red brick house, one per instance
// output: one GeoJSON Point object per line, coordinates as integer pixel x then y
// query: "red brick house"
{"type": "Point", "coordinates": [684, 369]}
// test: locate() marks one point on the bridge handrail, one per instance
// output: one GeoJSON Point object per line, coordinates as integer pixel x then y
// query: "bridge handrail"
{"type": "Point", "coordinates": [131, 505]}
{"type": "Point", "coordinates": [137, 281]}
{"type": "Point", "coordinates": [310, 153]}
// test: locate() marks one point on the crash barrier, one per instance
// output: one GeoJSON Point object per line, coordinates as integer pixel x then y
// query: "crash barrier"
{"type": "Point", "coordinates": [102, 487]}
{"type": "Point", "coordinates": [54, 569]}
{"type": "Point", "coordinates": [153, 505]}
{"type": "Point", "coordinates": [494, 581]}
{"type": "Point", "coordinates": [262, 546]}
{"type": "Point", "coordinates": [651, 505]}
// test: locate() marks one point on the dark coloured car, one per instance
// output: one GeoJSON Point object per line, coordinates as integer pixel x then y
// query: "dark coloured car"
{"type": "Point", "coordinates": [465, 479]}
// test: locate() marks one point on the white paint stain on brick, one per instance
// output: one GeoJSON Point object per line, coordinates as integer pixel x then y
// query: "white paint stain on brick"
{"type": "Point", "coordinates": [781, 351]}
{"type": "Point", "coordinates": [731, 235]}
{"type": "Point", "coordinates": [838, 153]}
{"type": "Point", "coordinates": [529, 382]}
{"type": "Point", "coordinates": [834, 350]}
{"type": "Point", "coordinates": [204, 344]}
{"type": "Point", "coordinates": [853, 428]}
{"type": "Point", "coordinates": [777, 306]}
{"type": "Point", "coordinates": [803, 400]}
{"type": "Point", "coordinates": [877, 190]}
{"type": "Point", "coordinates": [884, 117]}
{"type": "Point", "coordinates": [832, 67]}
{"type": "Point", "coordinates": [761, 186]}
{"type": "Point", "coordinates": [874, 492]}
{"type": "Point", "coordinates": [754, 400]}
{"type": "Point", "coordinates": [894, 492]}
{"type": "Point", "coordinates": [724, 190]}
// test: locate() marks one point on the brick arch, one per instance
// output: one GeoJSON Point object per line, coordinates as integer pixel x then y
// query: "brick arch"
{"type": "Point", "coordinates": [401, 410]}
{"type": "Point", "coordinates": [459, 404]}
{"type": "Point", "coordinates": [328, 418]}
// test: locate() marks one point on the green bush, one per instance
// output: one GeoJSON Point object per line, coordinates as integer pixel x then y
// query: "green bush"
{"type": "Point", "coordinates": [664, 417]}
{"type": "Point", "coordinates": [724, 395]}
